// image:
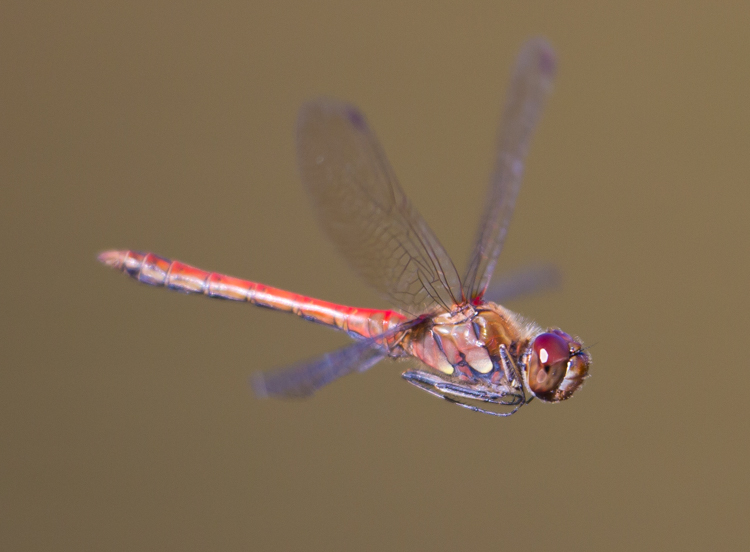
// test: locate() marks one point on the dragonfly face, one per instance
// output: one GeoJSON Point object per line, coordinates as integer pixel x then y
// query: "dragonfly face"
{"type": "Point", "coordinates": [555, 366]}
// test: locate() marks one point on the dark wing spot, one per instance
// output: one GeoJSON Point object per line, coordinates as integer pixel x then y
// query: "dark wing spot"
{"type": "Point", "coordinates": [547, 62]}
{"type": "Point", "coordinates": [357, 119]}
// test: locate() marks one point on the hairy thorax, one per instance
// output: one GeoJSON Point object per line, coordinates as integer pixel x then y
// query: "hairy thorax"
{"type": "Point", "coordinates": [473, 343]}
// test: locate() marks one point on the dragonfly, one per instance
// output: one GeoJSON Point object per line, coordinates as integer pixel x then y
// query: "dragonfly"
{"type": "Point", "coordinates": [469, 350]}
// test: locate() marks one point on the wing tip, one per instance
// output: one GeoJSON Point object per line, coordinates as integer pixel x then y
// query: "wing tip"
{"type": "Point", "coordinates": [327, 106]}
{"type": "Point", "coordinates": [540, 49]}
{"type": "Point", "coordinates": [258, 385]}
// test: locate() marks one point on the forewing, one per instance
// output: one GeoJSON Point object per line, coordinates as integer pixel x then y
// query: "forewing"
{"type": "Point", "coordinates": [529, 86]}
{"type": "Point", "coordinates": [366, 214]}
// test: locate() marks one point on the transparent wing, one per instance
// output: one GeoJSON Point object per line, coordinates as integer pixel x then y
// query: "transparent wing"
{"type": "Point", "coordinates": [304, 378]}
{"type": "Point", "coordinates": [529, 86]}
{"type": "Point", "coordinates": [366, 214]}
{"type": "Point", "coordinates": [524, 282]}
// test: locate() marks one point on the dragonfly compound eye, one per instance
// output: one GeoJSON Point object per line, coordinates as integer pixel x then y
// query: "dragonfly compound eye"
{"type": "Point", "coordinates": [557, 366]}
{"type": "Point", "coordinates": [548, 365]}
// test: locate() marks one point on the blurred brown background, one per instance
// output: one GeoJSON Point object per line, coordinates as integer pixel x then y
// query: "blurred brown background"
{"type": "Point", "coordinates": [126, 420]}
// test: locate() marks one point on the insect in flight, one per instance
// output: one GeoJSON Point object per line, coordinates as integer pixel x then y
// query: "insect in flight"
{"type": "Point", "coordinates": [471, 351]}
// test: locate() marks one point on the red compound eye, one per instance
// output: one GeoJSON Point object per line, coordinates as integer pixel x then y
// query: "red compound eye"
{"type": "Point", "coordinates": [548, 365]}
{"type": "Point", "coordinates": [551, 349]}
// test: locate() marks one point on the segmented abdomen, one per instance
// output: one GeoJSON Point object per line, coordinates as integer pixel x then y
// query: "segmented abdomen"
{"type": "Point", "coordinates": [158, 271]}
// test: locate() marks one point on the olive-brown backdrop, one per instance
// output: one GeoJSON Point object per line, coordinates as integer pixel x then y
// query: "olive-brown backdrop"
{"type": "Point", "coordinates": [126, 419]}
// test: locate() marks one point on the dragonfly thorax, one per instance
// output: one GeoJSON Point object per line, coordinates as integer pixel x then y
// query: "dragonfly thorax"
{"type": "Point", "coordinates": [474, 344]}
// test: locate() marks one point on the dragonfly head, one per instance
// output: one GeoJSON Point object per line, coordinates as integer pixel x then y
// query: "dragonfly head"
{"type": "Point", "coordinates": [555, 366]}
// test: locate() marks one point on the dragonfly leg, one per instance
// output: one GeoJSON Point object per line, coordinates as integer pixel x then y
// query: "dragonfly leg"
{"type": "Point", "coordinates": [494, 398]}
{"type": "Point", "coordinates": [453, 393]}
{"type": "Point", "coordinates": [512, 375]}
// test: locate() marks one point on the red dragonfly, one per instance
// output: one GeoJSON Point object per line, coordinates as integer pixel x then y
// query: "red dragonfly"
{"type": "Point", "coordinates": [471, 352]}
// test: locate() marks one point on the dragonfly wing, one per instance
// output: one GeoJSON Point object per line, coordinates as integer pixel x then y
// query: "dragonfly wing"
{"type": "Point", "coordinates": [529, 87]}
{"type": "Point", "coordinates": [524, 282]}
{"type": "Point", "coordinates": [366, 214]}
{"type": "Point", "coordinates": [304, 378]}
